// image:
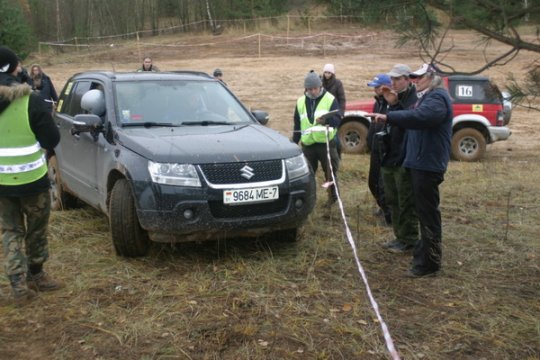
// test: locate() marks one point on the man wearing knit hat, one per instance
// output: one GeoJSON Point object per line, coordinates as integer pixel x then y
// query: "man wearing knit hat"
{"type": "Point", "coordinates": [308, 120]}
{"type": "Point", "coordinates": [24, 185]}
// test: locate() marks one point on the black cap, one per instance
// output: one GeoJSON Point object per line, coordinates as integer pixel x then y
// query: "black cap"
{"type": "Point", "coordinates": [8, 60]}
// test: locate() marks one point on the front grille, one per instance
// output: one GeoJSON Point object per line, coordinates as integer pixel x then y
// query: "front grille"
{"type": "Point", "coordinates": [220, 210]}
{"type": "Point", "coordinates": [230, 173]}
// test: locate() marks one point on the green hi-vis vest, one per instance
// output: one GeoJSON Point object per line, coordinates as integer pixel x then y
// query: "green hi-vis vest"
{"type": "Point", "coordinates": [310, 137]}
{"type": "Point", "coordinates": [21, 159]}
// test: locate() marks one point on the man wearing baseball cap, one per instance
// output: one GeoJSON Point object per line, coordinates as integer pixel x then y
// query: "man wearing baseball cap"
{"type": "Point", "coordinates": [396, 179]}
{"type": "Point", "coordinates": [375, 182]}
{"type": "Point", "coordinates": [25, 203]}
{"type": "Point", "coordinates": [429, 133]}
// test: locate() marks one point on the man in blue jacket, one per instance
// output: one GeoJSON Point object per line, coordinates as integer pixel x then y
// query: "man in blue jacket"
{"type": "Point", "coordinates": [429, 132]}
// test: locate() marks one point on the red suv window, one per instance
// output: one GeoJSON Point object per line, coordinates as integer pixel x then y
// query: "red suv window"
{"type": "Point", "coordinates": [476, 90]}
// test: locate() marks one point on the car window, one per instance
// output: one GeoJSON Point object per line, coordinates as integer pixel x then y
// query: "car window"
{"type": "Point", "coordinates": [177, 102]}
{"type": "Point", "coordinates": [70, 100]}
{"type": "Point", "coordinates": [474, 92]}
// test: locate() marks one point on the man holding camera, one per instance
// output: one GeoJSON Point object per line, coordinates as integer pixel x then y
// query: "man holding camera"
{"type": "Point", "coordinates": [396, 179]}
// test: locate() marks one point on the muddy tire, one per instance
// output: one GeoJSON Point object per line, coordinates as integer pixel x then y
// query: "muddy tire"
{"type": "Point", "coordinates": [353, 137]}
{"type": "Point", "coordinates": [468, 145]}
{"type": "Point", "coordinates": [129, 239]}
{"type": "Point", "coordinates": [60, 199]}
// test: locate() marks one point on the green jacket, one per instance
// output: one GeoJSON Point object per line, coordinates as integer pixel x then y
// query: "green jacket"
{"type": "Point", "coordinates": [21, 159]}
{"type": "Point", "coordinates": [309, 134]}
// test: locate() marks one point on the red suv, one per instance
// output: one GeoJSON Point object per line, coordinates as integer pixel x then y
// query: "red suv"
{"type": "Point", "coordinates": [481, 115]}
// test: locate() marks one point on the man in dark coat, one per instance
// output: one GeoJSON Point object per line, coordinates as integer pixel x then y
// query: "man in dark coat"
{"type": "Point", "coordinates": [429, 127]}
{"type": "Point", "coordinates": [396, 179]}
{"type": "Point", "coordinates": [27, 128]}
{"type": "Point", "coordinates": [375, 182]}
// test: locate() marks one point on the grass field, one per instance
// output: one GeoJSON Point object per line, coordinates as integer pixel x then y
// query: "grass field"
{"type": "Point", "coordinates": [262, 299]}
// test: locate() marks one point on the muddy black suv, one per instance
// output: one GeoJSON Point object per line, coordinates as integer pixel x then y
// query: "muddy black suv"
{"type": "Point", "coordinates": [173, 157]}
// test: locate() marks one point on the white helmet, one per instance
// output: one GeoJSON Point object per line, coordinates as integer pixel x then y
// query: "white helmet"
{"type": "Point", "coordinates": [93, 101]}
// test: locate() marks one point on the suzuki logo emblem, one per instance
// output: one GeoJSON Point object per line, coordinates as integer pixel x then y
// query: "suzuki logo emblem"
{"type": "Point", "coordinates": [247, 172]}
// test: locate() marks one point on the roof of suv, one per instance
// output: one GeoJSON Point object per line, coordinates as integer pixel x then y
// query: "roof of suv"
{"type": "Point", "coordinates": [146, 75]}
{"type": "Point", "coordinates": [468, 77]}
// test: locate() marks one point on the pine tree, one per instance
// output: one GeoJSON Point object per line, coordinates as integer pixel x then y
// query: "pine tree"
{"type": "Point", "coordinates": [15, 32]}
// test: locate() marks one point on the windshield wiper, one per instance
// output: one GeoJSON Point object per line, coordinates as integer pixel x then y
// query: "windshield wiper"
{"type": "Point", "coordinates": [206, 123]}
{"type": "Point", "coordinates": [148, 124]}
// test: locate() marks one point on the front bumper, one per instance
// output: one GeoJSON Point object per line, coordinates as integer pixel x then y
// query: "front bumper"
{"type": "Point", "coordinates": [498, 133]}
{"type": "Point", "coordinates": [177, 214]}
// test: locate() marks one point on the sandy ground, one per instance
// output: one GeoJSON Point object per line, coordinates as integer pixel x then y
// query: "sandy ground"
{"type": "Point", "coordinates": [273, 81]}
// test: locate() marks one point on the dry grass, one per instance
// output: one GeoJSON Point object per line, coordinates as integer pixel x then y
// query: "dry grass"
{"type": "Point", "coordinates": [262, 299]}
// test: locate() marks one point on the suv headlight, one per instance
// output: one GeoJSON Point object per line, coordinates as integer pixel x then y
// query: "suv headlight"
{"type": "Point", "coordinates": [297, 167]}
{"type": "Point", "coordinates": [174, 174]}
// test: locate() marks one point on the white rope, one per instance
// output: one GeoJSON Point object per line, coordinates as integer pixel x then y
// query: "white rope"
{"type": "Point", "coordinates": [387, 337]}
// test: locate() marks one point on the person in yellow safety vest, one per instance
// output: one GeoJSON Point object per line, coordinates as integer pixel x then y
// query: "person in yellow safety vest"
{"type": "Point", "coordinates": [311, 128]}
{"type": "Point", "coordinates": [27, 128]}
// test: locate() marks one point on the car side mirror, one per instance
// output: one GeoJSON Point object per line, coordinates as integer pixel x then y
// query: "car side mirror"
{"type": "Point", "coordinates": [86, 123]}
{"type": "Point", "coordinates": [261, 116]}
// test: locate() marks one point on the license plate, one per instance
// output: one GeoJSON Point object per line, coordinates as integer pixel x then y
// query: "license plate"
{"type": "Point", "coordinates": [240, 196]}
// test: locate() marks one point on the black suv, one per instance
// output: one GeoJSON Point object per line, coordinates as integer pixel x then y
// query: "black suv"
{"type": "Point", "coordinates": [174, 157]}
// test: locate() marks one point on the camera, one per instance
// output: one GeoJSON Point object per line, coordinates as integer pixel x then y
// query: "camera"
{"type": "Point", "coordinates": [382, 141]}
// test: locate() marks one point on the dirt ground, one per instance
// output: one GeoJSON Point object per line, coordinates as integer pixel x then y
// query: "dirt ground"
{"type": "Point", "coordinates": [141, 309]}
{"type": "Point", "coordinates": [273, 81]}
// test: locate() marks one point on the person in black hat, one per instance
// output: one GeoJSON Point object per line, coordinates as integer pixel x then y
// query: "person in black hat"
{"type": "Point", "coordinates": [25, 203]}
{"type": "Point", "coordinates": [218, 75]}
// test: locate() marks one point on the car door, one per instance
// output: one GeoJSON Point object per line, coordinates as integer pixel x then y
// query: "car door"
{"type": "Point", "coordinates": [77, 153]}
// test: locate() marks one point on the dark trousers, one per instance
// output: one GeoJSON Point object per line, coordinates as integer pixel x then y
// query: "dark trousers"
{"type": "Point", "coordinates": [375, 183]}
{"type": "Point", "coordinates": [316, 153]}
{"type": "Point", "coordinates": [399, 196]}
{"type": "Point", "coordinates": [23, 225]}
{"type": "Point", "coordinates": [428, 251]}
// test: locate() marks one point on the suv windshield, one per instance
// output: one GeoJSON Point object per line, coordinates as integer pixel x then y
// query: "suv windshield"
{"type": "Point", "coordinates": [178, 102]}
